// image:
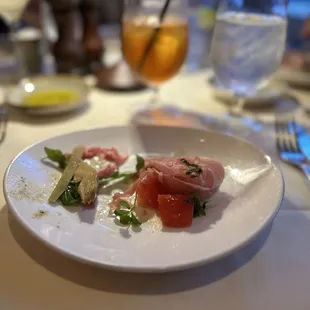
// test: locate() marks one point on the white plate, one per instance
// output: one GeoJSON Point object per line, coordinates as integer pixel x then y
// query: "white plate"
{"type": "Point", "coordinates": [238, 215]}
{"type": "Point", "coordinates": [264, 96]}
{"type": "Point", "coordinates": [43, 83]}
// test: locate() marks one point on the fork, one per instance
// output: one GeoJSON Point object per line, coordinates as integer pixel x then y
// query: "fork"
{"type": "Point", "coordinates": [288, 146]}
{"type": "Point", "coordinates": [4, 116]}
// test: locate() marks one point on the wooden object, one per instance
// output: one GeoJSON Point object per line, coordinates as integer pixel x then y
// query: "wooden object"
{"type": "Point", "coordinates": [306, 29]}
{"type": "Point", "coordinates": [68, 49]}
{"type": "Point", "coordinates": [82, 52]}
{"type": "Point", "coordinates": [91, 40]}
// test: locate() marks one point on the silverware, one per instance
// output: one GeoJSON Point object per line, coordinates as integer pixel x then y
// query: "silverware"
{"type": "Point", "coordinates": [4, 116]}
{"type": "Point", "coordinates": [288, 146]}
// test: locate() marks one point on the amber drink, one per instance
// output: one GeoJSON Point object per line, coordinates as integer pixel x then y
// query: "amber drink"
{"type": "Point", "coordinates": [168, 50]}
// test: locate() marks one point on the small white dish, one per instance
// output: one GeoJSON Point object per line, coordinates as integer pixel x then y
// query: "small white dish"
{"type": "Point", "coordinates": [16, 96]}
{"type": "Point", "coordinates": [248, 200]}
{"type": "Point", "coordinates": [264, 96]}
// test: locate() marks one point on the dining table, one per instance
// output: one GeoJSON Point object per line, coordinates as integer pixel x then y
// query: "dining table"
{"type": "Point", "coordinates": [272, 272]}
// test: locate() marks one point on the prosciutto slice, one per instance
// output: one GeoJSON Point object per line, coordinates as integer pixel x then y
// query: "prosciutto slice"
{"type": "Point", "coordinates": [174, 175]}
{"type": "Point", "coordinates": [181, 175]}
{"type": "Point", "coordinates": [109, 154]}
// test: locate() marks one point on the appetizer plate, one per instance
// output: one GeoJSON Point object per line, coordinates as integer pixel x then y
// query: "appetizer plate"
{"type": "Point", "coordinates": [262, 97]}
{"type": "Point", "coordinates": [248, 200]}
{"type": "Point", "coordinates": [75, 88]}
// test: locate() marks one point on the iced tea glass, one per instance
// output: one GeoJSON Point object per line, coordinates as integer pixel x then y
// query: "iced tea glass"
{"type": "Point", "coordinates": [154, 48]}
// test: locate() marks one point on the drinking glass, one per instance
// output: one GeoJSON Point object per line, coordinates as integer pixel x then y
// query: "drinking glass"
{"type": "Point", "coordinates": [155, 39]}
{"type": "Point", "coordinates": [11, 11]}
{"type": "Point", "coordinates": [248, 45]}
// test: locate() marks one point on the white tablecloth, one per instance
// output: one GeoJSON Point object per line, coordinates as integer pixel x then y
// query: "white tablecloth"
{"type": "Point", "coordinates": [271, 273]}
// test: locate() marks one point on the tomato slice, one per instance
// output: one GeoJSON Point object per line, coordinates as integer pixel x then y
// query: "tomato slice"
{"type": "Point", "coordinates": [148, 190]}
{"type": "Point", "coordinates": [175, 210]}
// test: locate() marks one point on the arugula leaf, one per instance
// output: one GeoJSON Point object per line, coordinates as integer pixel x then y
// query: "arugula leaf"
{"type": "Point", "coordinates": [199, 206]}
{"type": "Point", "coordinates": [125, 204]}
{"type": "Point", "coordinates": [121, 212]}
{"type": "Point", "coordinates": [135, 221]}
{"type": "Point", "coordinates": [122, 177]}
{"type": "Point", "coordinates": [114, 175]}
{"type": "Point", "coordinates": [57, 156]}
{"type": "Point", "coordinates": [71, 195]}
{"type": "Point", "coordinates": [54, 155]}
{"type": "Point", "coordinates": [125, 177]}
{"type": "Point", "coordinates": [140, 163]}
{"type": "Point", "coordinates": [127, 217]}
{"type": "Point", "coordinates": [199, 210]}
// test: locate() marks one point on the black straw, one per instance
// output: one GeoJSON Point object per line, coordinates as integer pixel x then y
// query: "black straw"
{"type": "Point", "coordinates": [154, 36]}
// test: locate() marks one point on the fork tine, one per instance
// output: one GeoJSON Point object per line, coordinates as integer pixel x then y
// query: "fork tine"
{"type": "Point", "coordinates": [282, 136]}
{"type": "Point", "coordinates": [294, 132]}
{"type": "Point", "coordinates": [292, 136]}
{"type": "Point", "coordinates": [286, 136]}
{"type": "Point", "coordinates": [287, 140]}
{"type": "Point", "coordinates": [278, 136]}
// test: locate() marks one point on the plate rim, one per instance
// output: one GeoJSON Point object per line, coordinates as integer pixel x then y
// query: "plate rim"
{"type": "Point", "coordinates": [145, 269]}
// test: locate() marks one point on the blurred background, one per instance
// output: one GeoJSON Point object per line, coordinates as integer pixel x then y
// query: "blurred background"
{"type": "Point", "coordinates": [38, 19]}
{"type": "Point", "coordinates": [47, 34]}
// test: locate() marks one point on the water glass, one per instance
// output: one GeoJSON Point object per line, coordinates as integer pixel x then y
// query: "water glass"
{"type": "Point", "coordinates": [248, 45]}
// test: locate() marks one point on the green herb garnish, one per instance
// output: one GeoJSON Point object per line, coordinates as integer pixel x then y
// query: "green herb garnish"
{"type": "Point", "coordinates": [199, 206]}
{"type": "Point", "coordinates": [71, 195]}
{"type": "Point", "coordinates": [127, 217]}
{"type": "Point", "coordinates": [140, 163]}
{"type": "Point", "coordinates": [194, 169]}
{"type": "Point", "coordinates": [57, 156]}
{"type": "Point", "coordinates": [125, 177]}
{"type": "Point", "coordinates": [122, 177]}
{"type": "Point", "coordinates": [125, 204]}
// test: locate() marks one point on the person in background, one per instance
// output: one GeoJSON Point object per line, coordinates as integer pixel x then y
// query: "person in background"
{"type": "Point", "coordinates": [299, 58]}
{"type": "Point", "coordinates": [306, 29]}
